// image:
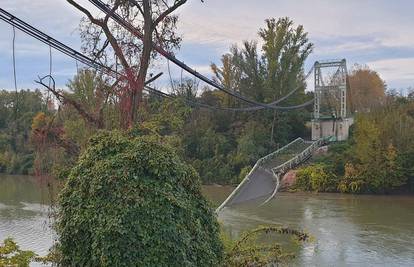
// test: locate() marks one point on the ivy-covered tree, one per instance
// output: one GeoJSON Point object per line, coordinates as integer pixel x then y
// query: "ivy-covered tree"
{"type": "Point", "coordinates": [132, 202]}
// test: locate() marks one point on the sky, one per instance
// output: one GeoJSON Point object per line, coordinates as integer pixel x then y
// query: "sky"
{"type": "Point", "coordinates": [376, 33]}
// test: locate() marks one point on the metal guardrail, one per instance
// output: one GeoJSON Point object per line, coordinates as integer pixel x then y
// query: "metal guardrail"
{"type": "Point", "coordinates": [300, 158]}
{"type": "Point", "coordinates": [273, 154]}
{"type": "Point", "coordinates": [293, 162]}
{"type": "Point", "coordinates": [278, 170]}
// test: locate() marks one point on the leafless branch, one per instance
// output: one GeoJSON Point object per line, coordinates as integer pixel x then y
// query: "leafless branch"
{"type": "Point", "coordinates": [85, 11]}
{"type": "Point", "coordinates": [104, 46]}
{"type": "Point", "coordinates": [153, 78]}
{"type": "Point", "coordinates": [66, 100]}
{"type": "Point", "coordinates": [138, 6]}
{"type": "Point", "coordinates": [103, 24]}
{"type": "Point", "coordinates": [169, 10]}
{"type": "Point", "coordinates": [113, 10]}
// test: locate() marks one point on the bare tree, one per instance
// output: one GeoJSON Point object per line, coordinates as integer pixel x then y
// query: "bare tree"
{"type": "Point", "coordinates": [109, 43]}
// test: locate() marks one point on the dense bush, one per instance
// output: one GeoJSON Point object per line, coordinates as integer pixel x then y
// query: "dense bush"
{"type": "Point", "coordinates": [316, 178]}
{"type": "Point", "coordinates": [133, 202]}
{"type": "Point", "coordinates": [257, 247]}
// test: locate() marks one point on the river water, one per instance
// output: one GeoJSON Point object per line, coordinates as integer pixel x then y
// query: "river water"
{"type": "Point", "coordinates": [348, 230]}
{"type": "Point", "coordinates": [24, 209]}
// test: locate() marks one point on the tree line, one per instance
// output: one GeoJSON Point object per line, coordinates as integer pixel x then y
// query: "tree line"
{"type": "Point", "coordinates": [221, 145]}
{"type": "Point", "coordinates": [17, 110]}
{"type": "Point", "coordinates": [133, 162]}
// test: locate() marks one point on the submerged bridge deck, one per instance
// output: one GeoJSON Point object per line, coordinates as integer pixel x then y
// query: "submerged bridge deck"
{"type": "Point", "coordinates": [263, 179]}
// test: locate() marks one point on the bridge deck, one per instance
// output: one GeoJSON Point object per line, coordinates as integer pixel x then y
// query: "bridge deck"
{"type": "Point", "coordinates": [263, 179]}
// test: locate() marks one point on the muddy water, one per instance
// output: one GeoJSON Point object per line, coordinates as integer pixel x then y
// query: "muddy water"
{"type": "Point", "coordinates": [348, 230]}
{"type": "Point", "coordinates": [24, 209]}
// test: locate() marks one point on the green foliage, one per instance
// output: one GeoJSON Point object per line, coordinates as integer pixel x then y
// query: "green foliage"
{"type": "Point", "coordinates": [221, 144]}
{"type": "Point", "coordinates": [352, 182]}
{"type": "Point", "coordinates": [375, 167]}
{"type": "Point", "coordinates": [338, 155]}
{"type": "Point", "coordinates": [12, 255]}
{"type": "Point", "coordinates": [381, 174]}
{"type": "Point", "coordinates": [316, 178]}
{"type": "Point", "coordinates": [251, 144]}
{"type": "Point", "coordinates": [16, 114]}
{"type": "Point", "coordinates": [377, 159]}
{"type": "Point", "coordinates": [133, 202]}
{"type": "Point", "coordinates": [252, 250]}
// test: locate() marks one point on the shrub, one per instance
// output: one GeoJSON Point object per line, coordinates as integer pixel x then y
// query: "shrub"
{"type": "Point", "coordinates": [252, 249]}
{"type": "Point", "coordinates": [12, 255]}
{"type": "Point", "coordinates": [133, 202]}
{"type": "Point", "coordinates": [351, 181]}
{"type": "Point", "coordinates": [316, 178]}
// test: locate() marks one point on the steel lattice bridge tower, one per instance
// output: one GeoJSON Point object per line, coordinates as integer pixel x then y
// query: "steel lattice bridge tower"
{"type": "Point", "coordinates": [330, 117]}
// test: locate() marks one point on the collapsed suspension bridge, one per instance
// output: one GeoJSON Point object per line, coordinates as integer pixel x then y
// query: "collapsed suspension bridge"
{"type": "Point", "coordinates": [264, 178]}
{"type": "Point", "coordinates": [330, 123]}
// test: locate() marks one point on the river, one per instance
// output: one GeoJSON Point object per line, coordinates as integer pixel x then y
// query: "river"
{"type": "Point", "coordinates": [348, 230]}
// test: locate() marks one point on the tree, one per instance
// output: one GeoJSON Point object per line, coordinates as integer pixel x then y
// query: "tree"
{"type": "Point", "coordinates": [375, 166]}
{"type": "Point", "coordinates": [285, 51]}
{"type": "Point", "coordinates": [366, 89]}
{"type": "Point", "coordinates": [271, 76]}
{"type": "Point", "coordinates": [16, 113]}
{"type": "Point", "coordinates": [111, 44]}
{"type": "Point", "coordinates": [93, 93]}
{"type": "Point", "coordinates": [132, 202]}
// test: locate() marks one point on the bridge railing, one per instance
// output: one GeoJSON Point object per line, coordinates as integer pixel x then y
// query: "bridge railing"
{"type": "Point", "coordinates": [300, 158]}
{"type": "Point", "coordinates": [278, 162]}
{"type": "Point", "coordinates": [284, 154]}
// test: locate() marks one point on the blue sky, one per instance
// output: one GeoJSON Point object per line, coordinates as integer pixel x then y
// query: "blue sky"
{"type": "Point", "coordinates": [377, 33]}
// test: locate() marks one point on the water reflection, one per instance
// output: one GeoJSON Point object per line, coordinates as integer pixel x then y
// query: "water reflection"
{"type": "Point", "coordinates": [349, 230]}
{"type": "Point", "coordinates": [24, 209]}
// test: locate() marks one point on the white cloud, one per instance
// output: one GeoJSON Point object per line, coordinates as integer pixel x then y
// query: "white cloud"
{"type": "Point", "coordinates": [344, 47]}
{"type": "Point", "coordinates": [336, 27]}
{"type": "Point", "coordinates": [395, 70]}
{"type": "Point", "coordinates": [232, 21]}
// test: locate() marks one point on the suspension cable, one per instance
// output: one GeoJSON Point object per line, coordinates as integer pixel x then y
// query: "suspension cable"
{"type": "Point", "coordinates": [169, 74]}
{"type": "Point", "coordinates": [129, 27]}
{"type": "Point", "coordinates": [77, 66]}
{"type": "Point", "coordinates": [16, 100]}
{"type": "Point", "coordinates": [50, 74]}
{"type": "Point", "coordinates": [14, 59]}
{"type": "Point", "coordinates": [37, 34]}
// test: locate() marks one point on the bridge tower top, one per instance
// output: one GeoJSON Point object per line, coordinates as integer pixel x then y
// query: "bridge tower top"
{"type": "Point", "coordinates": [330, 117]}
{"type": "Point", "coordinates": [330, 89]}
